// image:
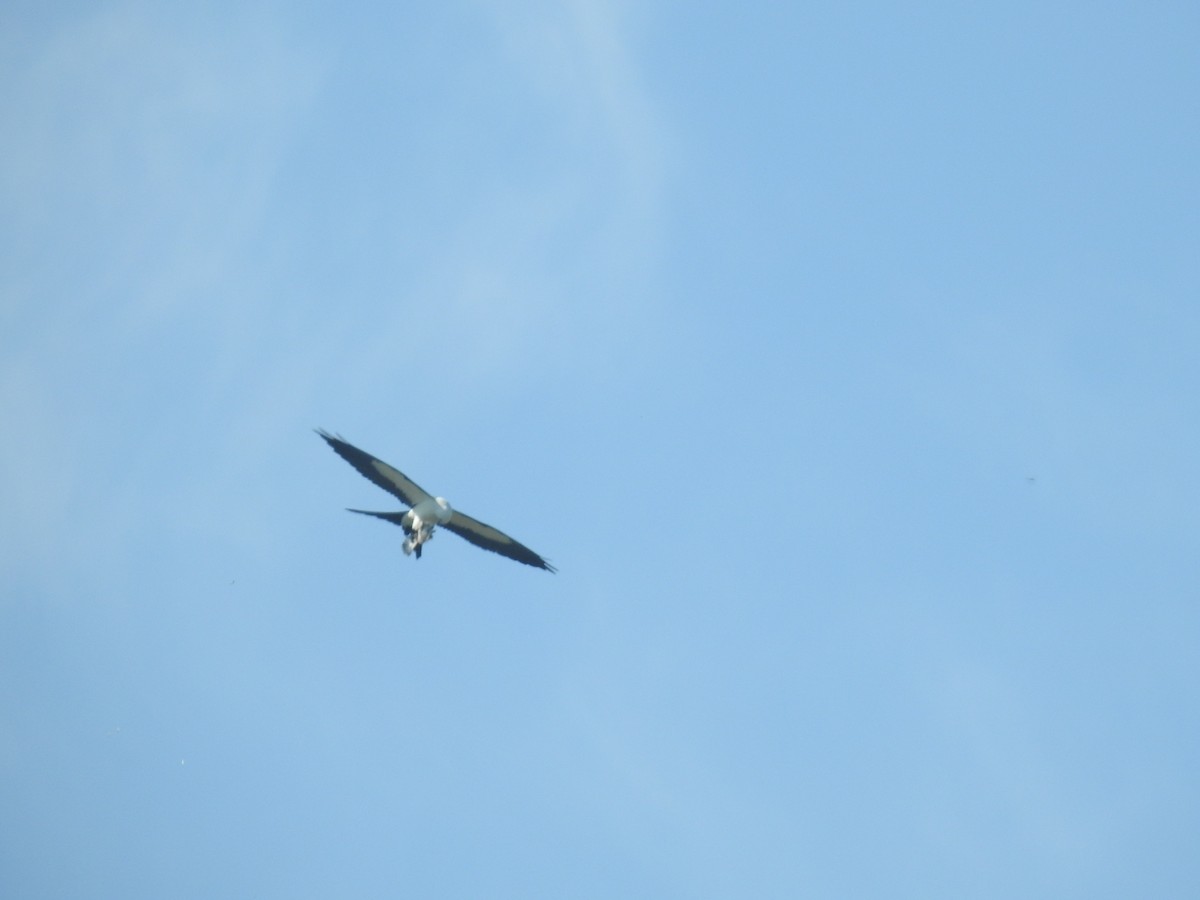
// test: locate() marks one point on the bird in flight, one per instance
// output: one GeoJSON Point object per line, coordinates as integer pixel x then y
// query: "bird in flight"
{"type": "Point", "coordinates": [427, 512]}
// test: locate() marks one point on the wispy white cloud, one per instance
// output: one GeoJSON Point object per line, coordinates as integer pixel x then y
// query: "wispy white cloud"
{"type": "Point", "coordinates": [142, 151]}
{"type": "Point", "coordinates": [555, 263]}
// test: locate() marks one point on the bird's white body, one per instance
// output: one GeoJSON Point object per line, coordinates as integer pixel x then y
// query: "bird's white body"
{"type": "Point", "coordinates": [422, 519]}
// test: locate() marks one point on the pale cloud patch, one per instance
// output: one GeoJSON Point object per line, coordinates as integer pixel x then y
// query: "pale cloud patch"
{"type": "Point", "coordinates": [141, 156]}
{"type": "Point", "coordinates": [580, 56]}
{"type": "Point", "coordinates": [558, 266]}
{"type": "Point", "coordinates": [543, 259]}
{"type": "Point", "coordinates": [142, 150]}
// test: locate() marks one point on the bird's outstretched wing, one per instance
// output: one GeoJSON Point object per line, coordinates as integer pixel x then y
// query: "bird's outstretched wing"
{"type": "Point", "coordinates": [493, 539]}
{"type": "Point", "coordinates": [377, 471]}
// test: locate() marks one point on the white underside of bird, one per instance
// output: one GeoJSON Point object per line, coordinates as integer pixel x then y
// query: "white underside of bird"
{"type": "Point", "coordinates": [420, 522]}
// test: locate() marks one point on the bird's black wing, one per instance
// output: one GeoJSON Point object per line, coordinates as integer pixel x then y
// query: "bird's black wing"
{"type": "Point", "coordinates": [377, 471]}
{"type": "Point", "coordinates": [493, 539]}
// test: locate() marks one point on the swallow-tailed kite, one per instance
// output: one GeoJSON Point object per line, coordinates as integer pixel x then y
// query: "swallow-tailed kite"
{"type": "Point", "coordinates": [426, 511]}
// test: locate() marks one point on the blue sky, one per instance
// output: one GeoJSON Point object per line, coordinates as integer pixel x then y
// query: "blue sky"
{"type": "Point", "coordinates": [842, 358]}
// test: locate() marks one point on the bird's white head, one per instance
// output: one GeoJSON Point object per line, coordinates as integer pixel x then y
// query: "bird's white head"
{"type": "Point", "coordinates": [444, 511]}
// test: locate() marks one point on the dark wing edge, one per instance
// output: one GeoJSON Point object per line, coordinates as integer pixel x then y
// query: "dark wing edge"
{"type": "Point", "coordinates": [494, 539]}
{"type": "Point", "coordinates": [376, 471]}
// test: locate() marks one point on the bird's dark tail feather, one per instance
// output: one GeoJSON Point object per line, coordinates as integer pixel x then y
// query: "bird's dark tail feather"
{"type": "Point", "coordinates": [396, 518]}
